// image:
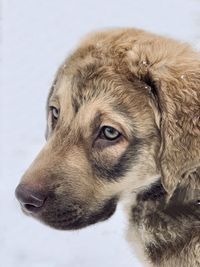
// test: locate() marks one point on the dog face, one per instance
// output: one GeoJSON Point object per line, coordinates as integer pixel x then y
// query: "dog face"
{"type": "Point", "coordinates": [102, 142]}
{"type": "Point", "coordinates": [103, 135]}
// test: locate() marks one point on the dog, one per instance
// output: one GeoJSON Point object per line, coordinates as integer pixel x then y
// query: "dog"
{"type": "Point", "coordinates": [123, 124]}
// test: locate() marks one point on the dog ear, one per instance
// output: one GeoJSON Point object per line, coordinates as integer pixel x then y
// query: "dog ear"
{"type": "Point", "coordinates": [172, 71]}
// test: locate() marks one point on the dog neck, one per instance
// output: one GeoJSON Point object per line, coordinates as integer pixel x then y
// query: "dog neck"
{"type": "Point", "coordinates": [165, 224]}
{"type": "Point", "coordinates": [184, 195]}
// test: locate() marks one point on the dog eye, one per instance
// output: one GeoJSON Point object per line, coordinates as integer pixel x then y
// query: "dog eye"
{"type": "Point", "coordinates": [109, 133]}
{"type": "Point", "coordinates": [55, 112]}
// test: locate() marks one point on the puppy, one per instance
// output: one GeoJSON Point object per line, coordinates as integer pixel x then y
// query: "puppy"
{"type": "Point", "coordinates": [123, 119]}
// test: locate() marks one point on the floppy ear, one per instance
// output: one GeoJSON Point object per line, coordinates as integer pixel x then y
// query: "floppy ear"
{"type": "Point", "coordinates": [172, 70]}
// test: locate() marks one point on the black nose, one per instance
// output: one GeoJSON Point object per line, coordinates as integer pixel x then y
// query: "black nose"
{"type": "Point", "coordinates": [32, 200]}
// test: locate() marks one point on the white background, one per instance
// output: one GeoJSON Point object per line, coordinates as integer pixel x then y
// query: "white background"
{"type": "Point", "coordinates": [35, 38]}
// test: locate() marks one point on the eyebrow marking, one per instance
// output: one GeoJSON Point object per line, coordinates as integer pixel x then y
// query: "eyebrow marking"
{"type": "Point", "coordinates": [53, 100]}
{"type": "Point", "coordinates": [52, 89]}
{"type": "Point", "coordinates": [75, 104]}
{"type": "Point", "coordinates": [95, 123]}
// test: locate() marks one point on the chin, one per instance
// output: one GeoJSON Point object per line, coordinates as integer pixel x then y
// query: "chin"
{"type": "Point", "coordinates": [73, 217]}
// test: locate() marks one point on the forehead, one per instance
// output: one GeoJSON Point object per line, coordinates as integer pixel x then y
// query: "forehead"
{"type": "Point", "coordinates": [80, 83]}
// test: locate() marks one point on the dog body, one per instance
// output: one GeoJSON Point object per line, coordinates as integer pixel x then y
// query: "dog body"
{"type": "Point", "coordinates": [165, 235]}
{"type": "Point", "coordinates": [124, 124]}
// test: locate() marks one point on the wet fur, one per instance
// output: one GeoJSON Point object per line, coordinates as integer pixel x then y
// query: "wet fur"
{"type": "Point", "coordinates": [149, 87]}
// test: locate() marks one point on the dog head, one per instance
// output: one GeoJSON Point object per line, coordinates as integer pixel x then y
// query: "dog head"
{"type": "Point", "coordinates": [117, 119]}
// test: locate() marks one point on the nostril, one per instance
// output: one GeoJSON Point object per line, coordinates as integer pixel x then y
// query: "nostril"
{"type": "Point", "coordinates": [31, 199]}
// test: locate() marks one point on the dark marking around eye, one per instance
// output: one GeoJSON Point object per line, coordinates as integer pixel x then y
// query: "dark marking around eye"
{"type": "Point", "coordinates": [94, 125]}
{"type": "Point", "coordinates": [105, 170]}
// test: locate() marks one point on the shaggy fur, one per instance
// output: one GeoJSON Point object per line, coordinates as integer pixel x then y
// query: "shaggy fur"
{"type": "Point", "coordinates": [148, 88]}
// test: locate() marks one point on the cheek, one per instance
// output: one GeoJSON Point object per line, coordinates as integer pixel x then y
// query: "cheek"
{"type": "Point", "coordinates": [106, 163]}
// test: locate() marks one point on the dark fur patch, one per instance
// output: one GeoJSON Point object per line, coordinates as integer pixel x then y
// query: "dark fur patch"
{"type": "Point", "coordinates": [124, 164]}
{"type": "Point", "coordinates": [155, 192]}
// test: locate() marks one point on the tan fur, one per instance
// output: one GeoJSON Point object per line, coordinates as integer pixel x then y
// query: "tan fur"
{"type": "Point", "coordinates": [148, 88]}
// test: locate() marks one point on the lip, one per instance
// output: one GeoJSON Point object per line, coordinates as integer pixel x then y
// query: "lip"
{"type": "Point", "coordinates": [49, 215]}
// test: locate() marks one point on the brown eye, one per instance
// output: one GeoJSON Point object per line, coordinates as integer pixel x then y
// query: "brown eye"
{"type": "Point", "coordinates": [55, 113]}
{"type": "Point", "coordinates": [109, 133]}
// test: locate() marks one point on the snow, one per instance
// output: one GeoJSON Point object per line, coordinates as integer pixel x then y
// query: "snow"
{"type": "Point", "coordinates": [35, 38]}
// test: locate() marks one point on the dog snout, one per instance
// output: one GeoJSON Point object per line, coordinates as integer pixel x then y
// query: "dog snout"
{"type": "Point", "coordinates": [31, 199]}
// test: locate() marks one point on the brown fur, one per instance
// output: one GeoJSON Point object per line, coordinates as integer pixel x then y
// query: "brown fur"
{"type": "Point", "coordinates": [148, 88]}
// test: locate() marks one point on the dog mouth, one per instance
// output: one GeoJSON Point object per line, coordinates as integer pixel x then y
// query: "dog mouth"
{"type": "Point", "coordinates": [72, 216]}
